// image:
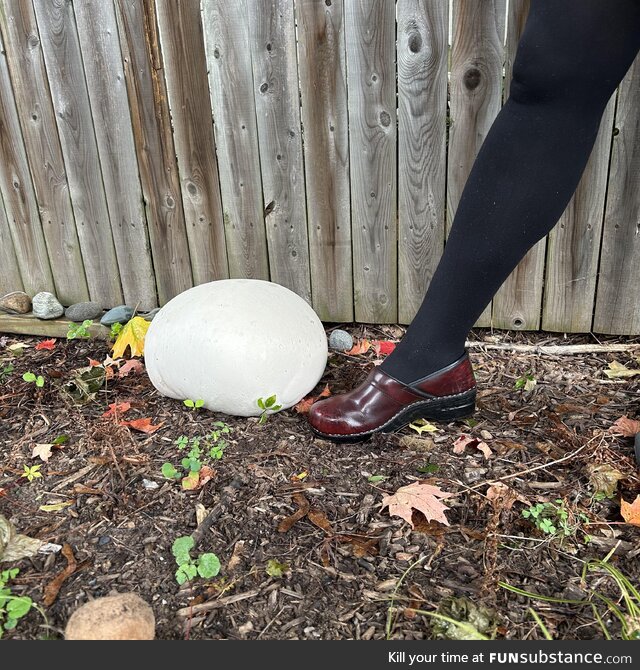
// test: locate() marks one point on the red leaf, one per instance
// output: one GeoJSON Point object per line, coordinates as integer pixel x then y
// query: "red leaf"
{"type": "Point", "coordinates": [303, 406]}
{"type": "Point", "coordinates": [93, 362]}
{"type": "Point", "coordinates": [383, 347]}
{"type": "Point", "coordinates": [46, 344]}
{"type": "Point", "coordinates": [132, 365]}
{"type": "Point", "coordinates": [361, 348]}
{"type": "Point", "coordinates": [143, 425]}
{"type": "Point", "coordinates": [117, 407]}
{"type": "Point", "coordinates": [625, 426]}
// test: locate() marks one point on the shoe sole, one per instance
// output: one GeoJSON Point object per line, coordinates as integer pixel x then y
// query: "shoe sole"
{"type": "Point", "coordinates": [441, 409]}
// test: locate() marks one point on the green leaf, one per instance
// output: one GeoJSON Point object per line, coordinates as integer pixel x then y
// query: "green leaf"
{"type": "Point", "coordinates": [261, 403]}
{"type": "Point", "coordinates": [376, 478]}
{"type": "Point", "coordinates": [19, 606]}
{"type": "Point", "coordinates": [61, 439]}
{"type": "Point", "coordinates": [275, 568]}
{"type": "Point", "coordinates": [169, 471]}
{"type": "Point", "coordinates": [185, 573]}
{"type": "Point", "coordinates": [28, 376]}
{"type": "Point", "coordinates": [270, 401]}
{"type": "Point", "coordinates": [428, 468]}
{"type": "Point", "coordinates": [181, 547]}
{"type": "Point", "coordinates": [199, 403]}
{"type": "Point", "coordinates": [185, 462]}
{"type": "Point", "coordinates": [188, 402]}
{"type": "Point", "coordinates": [208, 565]}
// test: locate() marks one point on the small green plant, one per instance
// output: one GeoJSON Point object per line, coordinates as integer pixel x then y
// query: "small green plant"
{"type": "Point", "coordinates": [194, 404]}
{"type": "Point", "coordinates": [276, 569]}
{"type": "Point", "coordinates": [553, 518]}
{"type": "Point", "coordinates": [527, 382]}
{"type": "Point", "coordinates": [206, 565]}
{"type": "Point", "coordinates": [79, 329]}
{"type": "Point", "coordinates": [5, 372]}
{"type": "Point", "coordinates": [115, 330]}
{"type": "Point", "coordinates": [30, 377]}
{"type": "Point", "coordinates": [12, 608]}
{"type": "Point", "coordinates": [267, 404]}
{"type": "Point", "coordinates": [31, 472]}
{"type": "Point", "coordinates": [209, 446]}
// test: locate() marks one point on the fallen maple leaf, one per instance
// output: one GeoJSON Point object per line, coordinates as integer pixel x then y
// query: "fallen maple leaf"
{"type": "Point", "coordinates": [132, 365]}
{"type": "Point", "coordinates": [419, 496]}
{"type": "Point", "coordinates": [468, 440]}
{"type": "Point", "coordinates": [46, 344]}
{"type": "Point", "coordinates": [132, 335]}
{"type": "Point", "coordinates": [360, 348]}
{"type": "Point", "coordinates": [383, 347]}
{"type": "Point", "coordinates": [43, 451]}
{"type": "Point", "coordinates": [631, 511]}
{"type": "Point", "coordinates": [143, 425]}
{"type": "Point", "coordinates": [625, 426]}
{"type": "Point", "coordinates": [117, 407]}
{"type": "Point", "coordinates": [303, 406]}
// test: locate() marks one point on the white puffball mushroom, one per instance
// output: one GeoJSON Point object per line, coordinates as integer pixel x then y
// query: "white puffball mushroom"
{"type": "Point", "coordinates": [124, 616]}
{"type": "Point", "coordinates": [231, 341]}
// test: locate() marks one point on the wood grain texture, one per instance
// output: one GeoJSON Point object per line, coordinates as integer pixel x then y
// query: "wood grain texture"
{"type": "Point", "coordinates": [422, 126]}
{"type": "Point", "coordinates": [574, 243]}
{"type": "Point", "coordinates": [18, 194]}
{"type": "Point", "coordinates": [185, 68]}
{"type": "Point", "coordinates": [617, 307]}
{"type": "Point", "coordinates": [226, 31]}
{"type": "Point", "coordinates": [477, 59]}
{"type": "Point", "coordinates": [323, 89]}
{"type": "Point", "coordinates": [99, 42]}
{"type": "Point", "coordinates": [65, 74]}
{"type": "Point", "coordinates": [152, 134]}
{"type": "Point", "coordinates": [28, 324]}
{"type": "Point", "coordinates": [372, 131]}
{"type": "Point", "coordinates": [10, 279]}
{"type": "Point", "coordinates": [275, 76]}
{"type": "Point", "coordinates": [42, 146]}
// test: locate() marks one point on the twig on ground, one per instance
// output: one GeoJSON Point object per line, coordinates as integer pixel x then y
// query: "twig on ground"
{"type": "Point", "coordinates": [554, 349]}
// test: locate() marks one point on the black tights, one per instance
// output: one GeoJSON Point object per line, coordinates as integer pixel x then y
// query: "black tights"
{"type": "Point", "coordinates": [571, 57]}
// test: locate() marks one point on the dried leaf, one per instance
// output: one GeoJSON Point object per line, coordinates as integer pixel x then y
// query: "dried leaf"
{"type": "Point", "coordinates": [304, 507]}
{"type": "Point", "coordinates": [52, 589]}
{"type": "Point", "coordinates": [360, 348]}
{"type": "Point", "coordinates": [419, 496]}
{"type": "Point", "coordinates": [467, 440]}
{"type": "Point", "coordinates": [131, 366]}
{"type": "Point", "coordinates": [303, 406]}
{"type": "Point", "coordinates": [132, 335]}
{"type": "Point", "coordinates": [14, 546]}
{"type": "Point", "coordinates": [43, 451]}
{"type": "Point", "coordinates": [631, 511]}
{"type": "Point", "coordinates": [383, 347]}
{"type": "Point", "coordinates": [319, 518]}
{"type": "Point", "coordinates": [503, 497]}
{"type": "Point", "coordinates": [56, 507]}
{"type": "Point", "coordinates": [617, 370]}
{"type": "Point", "coordinates": [604, 478]}
{"type": "Point", "coordinates": [46, 344]}
{"type": "Point", "coordinates": [625, 426]}
{"type": "Point", "coordinates": [142, 425]}
{"type": "Point", "coordinates": [117, 408]}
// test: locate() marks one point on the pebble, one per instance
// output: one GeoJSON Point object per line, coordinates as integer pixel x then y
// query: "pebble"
{"type": "Point", "coordinates": [119, 314]}
{"type": "Point", "coordinates": [340, 340]}
{"type": "Point", "coordinates": [472, 475]}
{"type": "Point", "coordinates": [148, 316]}
{"type": "Point", "coordinates": [80, 311]}
{"type": "Point", "coordinates": [46, 306]}
{"type": "Point", "coordinates": [16, 302]}
{"type": "Point", "coordinates": [150, 485]}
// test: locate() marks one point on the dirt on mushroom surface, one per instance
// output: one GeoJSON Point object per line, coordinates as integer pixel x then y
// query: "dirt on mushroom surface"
{"type": "Point", "coordinates": [279, 496]}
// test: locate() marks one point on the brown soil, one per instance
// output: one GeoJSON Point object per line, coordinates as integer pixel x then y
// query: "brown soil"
{"type": "Point", "coordinates": [347, 556]}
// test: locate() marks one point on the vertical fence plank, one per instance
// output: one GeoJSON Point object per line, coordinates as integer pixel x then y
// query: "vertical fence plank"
{"type": "Point", "coordinates": [10, 279]}
{"type": "Point", "coordinates": [323, 87]}
{"type": "Point", "coordinates": [98, 34]}
{"type": "Point", "coordinates": [144, 74]}
{"type": "Point", "coordinates": [422, 118]}
{"type": "Point", "coordinates": [185, 67]}
{"type": "Point", "coordinates": [17, 193]}
{"type": "Point", "coordinates": [516, 304]}
{"type": "Point", "coordinates": [65, 73]}
{"type": "Point", "coordinates": [275, 75]}
{"type": "Point", "coordinates": [476, 93]}
{"type": "Point", "coordinates": [226, 30]}
{"type": "Point", "coordinates": [372, 130]}
{"type": "Point", "coordinates": [617, 309]}
{"type": "Point", "coordinates": [42, 146]}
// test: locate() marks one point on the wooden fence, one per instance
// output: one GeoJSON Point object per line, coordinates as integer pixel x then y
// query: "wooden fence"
{"type": "Point", "coordinates": [150, 145]}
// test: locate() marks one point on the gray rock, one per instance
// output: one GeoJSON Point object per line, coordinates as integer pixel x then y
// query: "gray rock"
{"type": "Point", "coordinates": [16, 302]}
{"type": "Point", "coordinates": [46, 306]}
{"type": "Point", "coordinates": [119, 314]}
{"type": "Point", "coordinates": [340, 340]}
{"type": "Point", "coordinates": [149, 315]}
{"type": "Point", "coordinates": [83, 310]}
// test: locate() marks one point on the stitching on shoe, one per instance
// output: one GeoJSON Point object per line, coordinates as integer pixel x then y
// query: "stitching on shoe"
{"type": "Point", "coordinates": [388, 421]}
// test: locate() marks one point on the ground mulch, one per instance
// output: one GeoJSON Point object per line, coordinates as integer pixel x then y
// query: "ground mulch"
{"type": "Point", "coordinates": [352, 570]}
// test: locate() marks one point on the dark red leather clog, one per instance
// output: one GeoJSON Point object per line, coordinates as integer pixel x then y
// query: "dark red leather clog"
{"type": "Point", "coordinates": [384, 404]}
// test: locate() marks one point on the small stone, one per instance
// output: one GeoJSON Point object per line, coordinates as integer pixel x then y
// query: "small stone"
{"type": "Point", "coordinates": [104, 539]}
{"type": "Point", "coordinates": [148, 316]}
{"type": "Point", "coordinates": [150, 485]}
{"type": "Point", "coordinates": [46, 306]}
{"type": "Point", "coordinates": [124, 616]}
{"type": "Point", "coordinates": [119, 314]}
{"type": "Point", "coordinates": [16, 302]}
{"type": "Point", "coordinates": [471, 475]}
{"type": "Point", "coordinates": [80, 311]}
{"type": "Point", "coordinates": [486, 435]}
{"type": "Point", "coordinates": [340, 340]}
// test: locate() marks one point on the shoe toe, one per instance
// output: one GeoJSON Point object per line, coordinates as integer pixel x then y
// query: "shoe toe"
{"type": "Point", "coordinates": [324, 417]}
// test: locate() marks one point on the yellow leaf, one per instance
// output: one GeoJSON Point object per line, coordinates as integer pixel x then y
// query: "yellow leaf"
{"type": "Point", "coordinates": [56, 507]}
{"type": "Point", "coordinates": [423, 426]}
{"type": "Point", "coordinates": [619, 370]}
{"type": "Point", "coordinates": [302, 475]}
{"type": "Point", "coordinates": [132, 335]}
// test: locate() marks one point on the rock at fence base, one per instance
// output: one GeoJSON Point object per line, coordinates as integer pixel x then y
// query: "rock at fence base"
{"type": "Point", "coordinates": [119, 314]}
{"type": "Point", "coordinates": [148, 316]}
{"type": "Point", "coordinates": [16, 302]}
{"type": "Point", "coordinates": [80, 311]}
{"type": "Point", "coordinates": [46, 306]}
{"type": "Point", "coordinates": [340, 340]}
{"type": "Point", "coordinates": [119, 617]}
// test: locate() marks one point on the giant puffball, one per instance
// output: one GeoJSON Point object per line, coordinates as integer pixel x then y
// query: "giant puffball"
{"type": "Point", "coordinates": [232, 341]}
